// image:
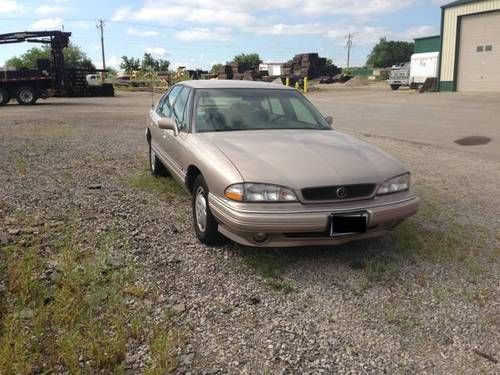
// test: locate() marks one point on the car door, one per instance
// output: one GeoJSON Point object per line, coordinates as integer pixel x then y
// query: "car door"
{"type": "Point", "coordinates": [161, 138]}
{"type": "Point", "coordinates": [180, 113]}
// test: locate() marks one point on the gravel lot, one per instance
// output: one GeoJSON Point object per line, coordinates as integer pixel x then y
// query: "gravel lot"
{"type": "Point", "coordinates": [424, 299]}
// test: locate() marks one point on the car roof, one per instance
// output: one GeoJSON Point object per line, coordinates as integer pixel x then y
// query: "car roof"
{"type": "Point", "coordinates": [233, 84]}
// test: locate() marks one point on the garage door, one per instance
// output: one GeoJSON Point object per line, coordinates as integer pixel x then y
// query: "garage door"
{"type": "Point", "coordinates": [479, 53]}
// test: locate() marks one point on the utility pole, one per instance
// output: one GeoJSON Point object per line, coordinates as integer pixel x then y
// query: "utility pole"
{"type": "Point", "coordinates": [100, 26]}
{"type": "Point", "coordinates": [349, 47]}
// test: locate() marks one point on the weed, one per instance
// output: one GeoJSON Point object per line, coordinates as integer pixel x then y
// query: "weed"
{"type": "Point", "coordinates": [281, 286]}
{"type": "Point", "coordinates": [21, 166]}
{"type": "Point", "coordinates": [165, 186]}
{"type": "Point", "coordinates": [267, 263]}
{"type": "Point", "coordinates": [163, 356]}
{"type": "Point", "coordinates": [77, 323]}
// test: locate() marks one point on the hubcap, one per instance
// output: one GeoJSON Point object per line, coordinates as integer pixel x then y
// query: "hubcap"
{"type": "Point", "coordinates": [152, 157]}
{"type": "Point", "coordinates": [26, 96]}
{"type": "Point", "coordinates": [1, 97]}
{"type": "Point", "coordinates": [200, 205]}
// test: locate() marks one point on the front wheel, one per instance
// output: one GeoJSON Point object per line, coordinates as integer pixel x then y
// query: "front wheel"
{"type": "Point", "coordinates": [205, 224]}
{"type": "Point", "coordinates": [395, 87]}
{"type": "Point", "coordinates": [26, 96]}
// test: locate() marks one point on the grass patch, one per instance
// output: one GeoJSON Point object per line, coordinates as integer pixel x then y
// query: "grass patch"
{"type": "Point", "coordinates": [21, 166]}
{"type": "Point", "coordinates": [163, 352]}
{"type": "Point", "coordinates": [165, 186]}
{"type": "Point", "coordinates": [267, 263]}
{"type": "Point", "coordinates": [77, 322]}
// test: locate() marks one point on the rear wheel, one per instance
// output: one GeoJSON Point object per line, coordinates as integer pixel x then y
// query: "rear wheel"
{"type": "Point", "coordinates": [395, 87]}
{"type": "Point", "coordinates": [26, 96]}
{"type": "Point", "coordinates": [205, 224]}
{"type": "Point", "coordinates": [4, 97]}
{"type": "Point", "coordinates": [155, 165]}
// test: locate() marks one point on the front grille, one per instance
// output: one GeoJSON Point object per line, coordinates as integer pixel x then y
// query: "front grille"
{"type": "Point", "coordinates": [329, 193]}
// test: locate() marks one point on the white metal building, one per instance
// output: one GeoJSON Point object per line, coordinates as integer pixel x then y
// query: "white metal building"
{"type": "Point", "coordinates": [470, 49]}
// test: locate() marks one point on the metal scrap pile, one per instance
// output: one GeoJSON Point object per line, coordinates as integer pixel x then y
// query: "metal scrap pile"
{"type": "Point", "coordinates": [309, 65]}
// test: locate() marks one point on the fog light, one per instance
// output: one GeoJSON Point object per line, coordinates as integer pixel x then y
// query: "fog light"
{"type": "Point", "coordinates": [260, 237]}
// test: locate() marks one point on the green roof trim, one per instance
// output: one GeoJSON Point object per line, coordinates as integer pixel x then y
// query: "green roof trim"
{"type": "Point", "coordinates": [459, 2]}
{"type": "Point", "coordinates": [427, 37]}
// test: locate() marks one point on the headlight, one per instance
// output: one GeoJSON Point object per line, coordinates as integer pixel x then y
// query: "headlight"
{"type": "Point", "coordinates": [251, 192]}
{"type": "Point", "coordinates": [400, 183]}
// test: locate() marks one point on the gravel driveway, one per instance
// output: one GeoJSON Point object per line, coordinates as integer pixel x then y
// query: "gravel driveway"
{"type": "Point", "coordinates": [424, 299]}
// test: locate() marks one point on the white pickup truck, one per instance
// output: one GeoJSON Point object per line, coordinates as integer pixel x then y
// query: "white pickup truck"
{"type": "Point", "coordinates": [413, 74]}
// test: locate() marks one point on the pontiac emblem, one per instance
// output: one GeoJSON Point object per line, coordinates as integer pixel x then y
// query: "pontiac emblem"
{"type": "Point", "coordinates": [341, 192]}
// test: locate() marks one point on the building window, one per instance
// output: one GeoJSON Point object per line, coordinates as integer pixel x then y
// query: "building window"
{"type": "Point", "coordinates": [479, 49]}
{"type": "Point", "coordinates": [489, 48]}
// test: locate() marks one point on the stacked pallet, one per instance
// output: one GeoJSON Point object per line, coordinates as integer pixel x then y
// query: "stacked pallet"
{"type": "Point", "coordinates": [309, 65]}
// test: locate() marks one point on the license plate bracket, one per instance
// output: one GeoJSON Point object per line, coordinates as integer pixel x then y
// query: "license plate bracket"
{"type": "Point", "coordinates": [348, 224]}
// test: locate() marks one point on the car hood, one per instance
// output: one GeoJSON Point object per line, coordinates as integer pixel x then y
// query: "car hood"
{"type": "Point", "coordinates": [304, 158]}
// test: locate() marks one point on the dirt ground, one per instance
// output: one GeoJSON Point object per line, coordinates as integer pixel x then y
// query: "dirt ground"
{"type": "Point", "coordinates": [424, 299]}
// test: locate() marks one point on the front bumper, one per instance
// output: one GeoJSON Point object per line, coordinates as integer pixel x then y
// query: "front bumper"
{"type": "Point", "coordinates": [296, 224]}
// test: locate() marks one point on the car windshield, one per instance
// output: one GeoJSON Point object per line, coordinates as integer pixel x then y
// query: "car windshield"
{"type": "Point", "coordinates": [254, 109]}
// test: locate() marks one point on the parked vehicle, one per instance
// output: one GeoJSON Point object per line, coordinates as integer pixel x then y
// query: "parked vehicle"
{"type": "Point", "coordinates": [400, 76]}
{"type": "Point", "coordinates": [51, 76]}
{"type": "Point", "coordinates": [265, 168]}
{"type": "Point", "coordinates": [423, 66]}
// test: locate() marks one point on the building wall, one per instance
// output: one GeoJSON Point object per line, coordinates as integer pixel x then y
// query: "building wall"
{"type": "Point", "coordinates": [449, 35]}
{"type": "Point", "coordinates": [429, 44]}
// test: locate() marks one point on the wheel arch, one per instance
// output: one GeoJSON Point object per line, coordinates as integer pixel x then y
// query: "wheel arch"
{"type": "Point", "coordinates": [192, 173]}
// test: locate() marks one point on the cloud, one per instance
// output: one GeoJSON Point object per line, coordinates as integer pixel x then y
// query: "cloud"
{"type": "Point", "coordinates": [362, 35]}
{"type": "Point", "coordinates": [157, 51]}
{"type": "Point", "coordinates": [218, 34]}
{"type": "Point", "coordinates": [166, 13]}
{"type": "Point", "coordinates": [142, 33]}
{"type": "Point", "coordinates": [113, 61]}
{"type": "Point", "coordinates": [287, 29]}
{"type": "Point", "coordinates": [49, 10]}
{"type": "Point", "coordinates": [354, 7]}
{"type": "Point", "coordinates": [8, 6]}
{"type": "Point", "coordinates": [419, 32]}
{"type": "Point", "coordinates": [47, 24]}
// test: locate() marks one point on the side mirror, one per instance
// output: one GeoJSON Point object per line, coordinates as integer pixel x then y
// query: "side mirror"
{"type": "Point", "coordinates": [168, 123]}
{"type": "Point", "coordinates": [329, 120]}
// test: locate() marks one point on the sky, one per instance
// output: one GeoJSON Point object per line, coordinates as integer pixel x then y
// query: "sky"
{"type": "Point", "coordinates": [200, 33]}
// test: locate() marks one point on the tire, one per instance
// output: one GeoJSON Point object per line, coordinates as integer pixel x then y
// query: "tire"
{"type": "Point", "coordinates": [204, 222]}
{"type": "Point", "coordinates": [395, 87]}
{"type": "Point", "coordinates": [4, 97]}
{"type": "Point", "coordinates": [26, 96]}
{"type": "Point", "coordinates": [156, 167]}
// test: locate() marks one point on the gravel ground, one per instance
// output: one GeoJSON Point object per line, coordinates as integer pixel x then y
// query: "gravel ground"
{"type": "Point", "coordinates": [424, 299]}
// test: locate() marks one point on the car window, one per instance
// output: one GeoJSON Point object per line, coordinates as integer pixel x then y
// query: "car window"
{"type": "Point", "coordinates": [165, 106]}
{"type": "Point", "coordinates": [254, 109]}
{"type": "Point", "coordinates": [180, 107]}
{"type": "Point", "coordinates": [302, 113]}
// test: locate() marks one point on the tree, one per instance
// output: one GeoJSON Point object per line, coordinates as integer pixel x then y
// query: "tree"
{"type": "Point", "coordinates": [252, 59]}
{"type": "Point", "coordinates": [388, 53]}
{"type": "Point", "coordinates": [74, 57]}
{"type": "Point", "coordinates": [130, 64]}
{"type": "Point", "coordinates": [150, 64]}
{"type": "Point", "coordinates": [216, 68]}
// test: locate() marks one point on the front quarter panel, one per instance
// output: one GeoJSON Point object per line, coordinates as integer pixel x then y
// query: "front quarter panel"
{"type": "Point", "coordinates": [216, 168]}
